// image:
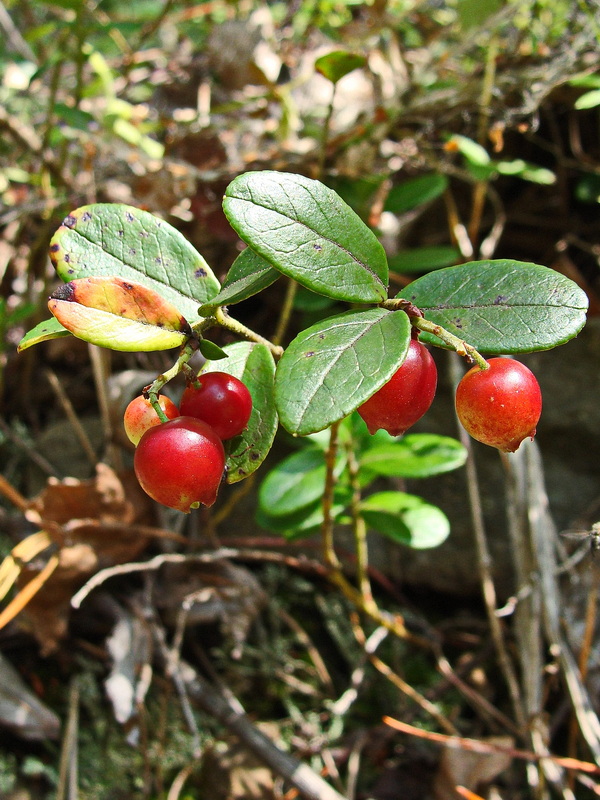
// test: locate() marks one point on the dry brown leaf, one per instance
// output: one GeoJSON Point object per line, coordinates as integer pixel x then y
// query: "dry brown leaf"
{"type": "Point", "coordinates": [94, 524]}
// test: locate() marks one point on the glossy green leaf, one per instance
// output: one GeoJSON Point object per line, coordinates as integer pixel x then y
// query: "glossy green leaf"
{"type": "Point", "coordinates": [406, 519]}
{"type": "Point", "coordinates": [248, 275]}
{"type": "Point", "coordinates": [118, 314]}
{"type": "Point", "coordinates": [296, 482]}
{"type": "Point", "coordinates": [416, 455]}
{"type": "Point", "coordinates": [501, 306]}
{"type": "Point", "coordinates": [253, 364]}
{"type": "Point", "coordinates": [43, 332]}
{"type": "Point", "coordinates": [415, 192]}
{"type": "Point", "coordinates": [424, 259]}
{"type": "Point", "coordinates": [112, 239]}
{"type": "Point", "coordinates": [306, 231]}
{"type": "Point", "coordinates": [339, 63]}
{"type": "Point", "coordinates": [334, 366]}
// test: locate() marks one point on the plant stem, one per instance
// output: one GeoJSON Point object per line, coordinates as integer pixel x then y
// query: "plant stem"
{"type": "Point", "coordinates": [223, 319]}
{"type": "Point", "coordinates": [454, 342]}
{"type": "Point", "coordinates": [360, 532]}
{"type": "Point", "coordinates": [329, 554]}
{"type": "Point", "coordinates": [153, 390]}
{"type": "Point", "coordinates": [286, 311]}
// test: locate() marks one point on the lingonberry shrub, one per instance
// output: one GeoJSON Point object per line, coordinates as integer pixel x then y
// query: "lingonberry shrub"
{"type": "Point", "coordinates": [180, 463]}
{"type": "Point", "coordinates": [501, 405]}
{"type": "Point", "coordinates": [114, 295]}
{"type": "Point", "coordinates": [221, 400]}
{"type": "Point", "coordinates": [140, 415]}
{"type": "Point", "coordinates": [406, 396]}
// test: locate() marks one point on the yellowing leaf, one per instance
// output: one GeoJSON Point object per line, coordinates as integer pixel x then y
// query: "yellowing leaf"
{"type": "Point", "coordinates": [118, 314]}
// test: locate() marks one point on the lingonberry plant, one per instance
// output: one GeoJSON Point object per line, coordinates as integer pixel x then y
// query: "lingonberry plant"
{"type": "Point", "coordinates": [500, 405]}
{"type": "Point", "coordinates": [132, 282]}
{"type": "Point", "coordinates": [219, 399]}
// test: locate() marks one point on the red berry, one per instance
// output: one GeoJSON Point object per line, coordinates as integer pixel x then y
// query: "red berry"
{"type": "Point", "coordinates": [221, 400]}
{"type": "Point", "coordinates": [180, 463]}
{"type": "Point", "coordinates": [501, 405]}
{"type": "Point", "coordinates": [406, 396]}
{"type": "Point", "coordinates": [139, 416]}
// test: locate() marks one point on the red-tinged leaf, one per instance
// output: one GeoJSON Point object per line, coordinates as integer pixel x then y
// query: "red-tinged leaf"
{"type": "Point", "coordinates": [118, 314]}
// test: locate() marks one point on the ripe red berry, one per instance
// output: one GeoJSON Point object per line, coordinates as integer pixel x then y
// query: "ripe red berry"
{"type": "Point", "coordinates": [406, 396]}
{"type": "Point", "coordinates": [221, 400]}
{"type": "Point", "coordinates": [180, 463]}
{"type": "Point", "coordinates": [139, 416]}
{"type": "Point", "coordinates": [501, 405]}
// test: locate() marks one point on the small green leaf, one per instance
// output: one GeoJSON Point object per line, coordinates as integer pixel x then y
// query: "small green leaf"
{"type": "Point", "coordinates": [471, 150]}
{"type": "Point", "coordinates": [416, 192]}
{"type": "Point", "coordinates": [588, 100]}
{"type": "Point", "coordinates": [43, 332]}
{"type": "Point", "coordinates": [501, 306]}
{"type": "Point", "coordinates": [252, 364]}
{"type": "Point", "coordinates": [333, 367]}
{"type": "Point", "coordinates": [339, 63]}
{"type": "Point", "coordinates": [416, 455]}
{"type": "Point", "coordinates": [210, 350]}
{"type": "Point", "coordinates": [526, 171]}
{"type": "Point", "coordinates": [118, 314]}
{"type": "Point", "coordinates": [248, 275]}
{"type": "Point", "coordinates": [296, 482]}
{"type": "Point", "coordinates": [305, 230]}
{"type": "Point", "coordinates": [111, 239]}
{"type": "Point", "coordinates": [424, 259]}
{"type": "Point", "coordinates": [406, 519]}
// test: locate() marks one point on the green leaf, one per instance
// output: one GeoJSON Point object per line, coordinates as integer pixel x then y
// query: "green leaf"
{"type": "Point", "coordinates": [118, 314]}
{"type": "Point", "coordinates": [113, 239]}
{"type": "Point", "coordinates": [253, 364]}
{"type": "Point", "coordinates": [333, 367]}
{"type": "Point", "coordinates": [526, 170]}
{"type": "Point", "coordinates": [588, 100]}
{"type": "Point", "coordinates": [423, 259]}
{"type": "Point", "coordinates": [210, 350]}
{"type": "Point", "coordinates": [406, 519]}
{"type": "Point", "coordinates": [416, 455]}
{"type": "Point", "coordinates": [416, 192]}
{"type": "Point", "coordinates": [296, 482]}
{"type": "Point", "coordinates": [305, 230]}
{"type": "Point", "coordinates": [471, 150]}
{"type": "Point", "coordinates": [339, 63]}
{"type": "Point", "coordinates": [306, 521]}
{"type": "Point", "coordinates": [43, 332]}
{"type": "Point", "coordinates": [248, 275]}
{"type": "Point", "coordinates": [501, 306]}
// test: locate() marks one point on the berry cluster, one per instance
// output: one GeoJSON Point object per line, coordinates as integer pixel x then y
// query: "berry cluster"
{"type": "Point", "coordinates": [499, 405]}
{"type": "Point", "coordinates": [180, 463]}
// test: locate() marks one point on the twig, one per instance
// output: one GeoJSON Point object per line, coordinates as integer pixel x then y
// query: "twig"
{"type": "Point", "coordinates": [486, 748]}
{"type": "Point", "coordinates": [67, 779]}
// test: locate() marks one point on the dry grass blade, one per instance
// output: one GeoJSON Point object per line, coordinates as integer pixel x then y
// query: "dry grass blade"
{"type": "Point", "coordinates": [477, 746]}
{"type": "Point", "coordinates": [27, 592]}
{"type": "Point", "coordinates": [24, 551]}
